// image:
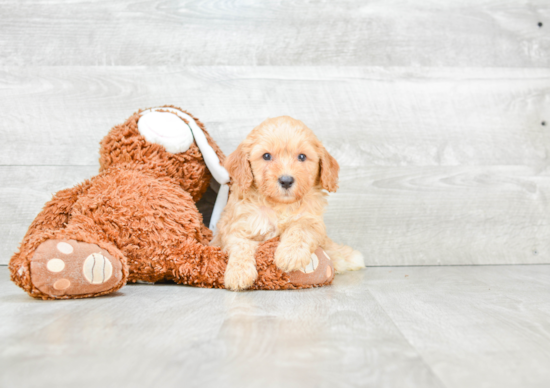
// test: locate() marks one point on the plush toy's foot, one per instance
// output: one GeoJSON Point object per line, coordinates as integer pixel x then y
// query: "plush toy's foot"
{"type": "Point", "coordinates": [72, 269]}
{"type": "Point", "coordinates": [320, 270]}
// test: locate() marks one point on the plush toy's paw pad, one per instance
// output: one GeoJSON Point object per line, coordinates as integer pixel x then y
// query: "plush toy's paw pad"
{"type": "Point", "coordinates": [69, 267]}
{"type": "Point", "coordinates": [319, 270]}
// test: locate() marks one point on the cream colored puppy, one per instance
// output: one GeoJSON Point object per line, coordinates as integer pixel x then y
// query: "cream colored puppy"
{"type": "Point", "coordinates": [278, 175]}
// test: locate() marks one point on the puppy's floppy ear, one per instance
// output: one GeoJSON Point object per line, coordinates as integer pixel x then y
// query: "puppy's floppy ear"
{"type": "Point", "coordinates": [328, 171]}
{"type": "Point", "coordinates": [238, 166]}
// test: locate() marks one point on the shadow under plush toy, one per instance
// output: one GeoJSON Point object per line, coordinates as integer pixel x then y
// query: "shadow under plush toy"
{"type": "Point", "coordinates": [138, 220]}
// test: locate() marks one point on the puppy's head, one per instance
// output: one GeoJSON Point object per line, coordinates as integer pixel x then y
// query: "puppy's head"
{"type": "Point", "coordinates": [283, 160]}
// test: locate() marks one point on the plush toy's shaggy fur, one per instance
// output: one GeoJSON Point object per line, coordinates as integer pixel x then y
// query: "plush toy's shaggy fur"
{"type": "Point", "coordinates": [139, 212]}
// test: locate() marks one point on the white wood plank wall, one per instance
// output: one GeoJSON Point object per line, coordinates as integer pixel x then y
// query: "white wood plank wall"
{"type": "Point", "coordinates": [455, 33]}
{"type": "Point", "coordinates": [434, 109]}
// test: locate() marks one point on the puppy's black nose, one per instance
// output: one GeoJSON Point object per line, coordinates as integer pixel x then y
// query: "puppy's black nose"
{"type": "Point", "coordinates": [286, 181]}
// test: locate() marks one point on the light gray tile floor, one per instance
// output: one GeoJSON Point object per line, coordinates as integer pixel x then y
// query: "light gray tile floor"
{"type": "Point", "coordinates": [468, 326]}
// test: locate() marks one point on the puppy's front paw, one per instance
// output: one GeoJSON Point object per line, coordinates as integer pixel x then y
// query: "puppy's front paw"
{"type": "Point", "coordinates": [240, 276]}
{"type": "Point", "coordinates": [291, 258]}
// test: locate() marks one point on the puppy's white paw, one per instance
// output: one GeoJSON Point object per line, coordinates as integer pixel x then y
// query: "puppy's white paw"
{"type": "Point", "coordinates": [240, 276]}
{"type": "Point", "coordinates": [291, 258]}
{"type": "Point", "coordinates": [353, 262]}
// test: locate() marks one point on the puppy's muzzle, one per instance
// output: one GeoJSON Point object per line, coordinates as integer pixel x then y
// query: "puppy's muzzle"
{"type": "Point", "coordinates": [286, 181]}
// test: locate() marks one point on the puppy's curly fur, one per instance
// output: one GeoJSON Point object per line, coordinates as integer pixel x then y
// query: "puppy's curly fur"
{"type": "Point", "coordinates": [279, 172]}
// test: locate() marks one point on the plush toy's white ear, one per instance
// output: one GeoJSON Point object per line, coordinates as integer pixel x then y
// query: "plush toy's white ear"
{"type": "Point", "coordinates": [221, 201]}
{"type": "Point", "coordinates": [163, 123]}
{"type": "Point", "coordinates": [166, 129]}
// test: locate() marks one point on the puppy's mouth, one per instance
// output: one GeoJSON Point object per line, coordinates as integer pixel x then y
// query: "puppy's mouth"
{"type": "Point", "coordinates": [286, 195]}
{"type": "Point", "coordinates": [284, 191]}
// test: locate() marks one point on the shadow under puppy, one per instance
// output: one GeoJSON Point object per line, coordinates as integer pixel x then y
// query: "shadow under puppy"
{"type": "Point", "coordinates": [278, 175]}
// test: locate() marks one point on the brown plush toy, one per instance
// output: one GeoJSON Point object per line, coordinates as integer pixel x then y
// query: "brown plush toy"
{"type": "Point", "coordinates": [138, 219]}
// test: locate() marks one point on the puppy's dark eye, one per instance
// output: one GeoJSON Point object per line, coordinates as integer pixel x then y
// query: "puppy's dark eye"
{"type": "Point", "coordinates": [302, 158]}
{"type": "Point", "coordinates": [267, 156]}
